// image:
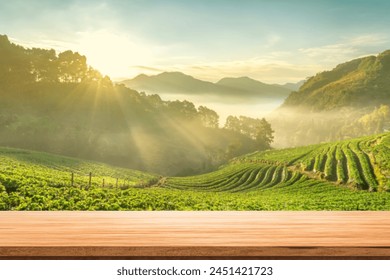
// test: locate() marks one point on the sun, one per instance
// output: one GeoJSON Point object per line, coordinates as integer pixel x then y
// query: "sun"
{"type": "Point", "coordinates": [114, 54]}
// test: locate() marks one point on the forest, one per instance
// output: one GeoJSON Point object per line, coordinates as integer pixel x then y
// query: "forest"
{"type": "Point", "coordinates": [57, 103]}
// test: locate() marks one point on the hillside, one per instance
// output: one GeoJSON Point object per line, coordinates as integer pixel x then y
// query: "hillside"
{"type": "Point", "coordinates": [359, 164]}
{"type": "Point", "coordinates": [242, 88]}
{"type": "Point", "coordinates": [347, 175]}
{"type": "Point", "coordinates": [37, 169]}
{"type": "Point", "coordinates": [32, 180]}
{"type": "Point", "coordinates": [57, 103]}
{"type": "Point", "coordinates": [293, 86]}
{"type": "Point", "coordinates": [352, 100]}
{"type": "Point", "coordinates": [358, 83]}
{"type": "Point", "coordinates": [248, 86]}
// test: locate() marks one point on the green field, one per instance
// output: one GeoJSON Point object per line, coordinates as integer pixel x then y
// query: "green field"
{"type": "Point", "coordinates": [358, 164]}
{"type": "Point", "coordinates": [347, 175]}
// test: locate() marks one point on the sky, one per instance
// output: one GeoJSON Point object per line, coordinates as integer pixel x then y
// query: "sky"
{"type": "Point", "coordinates": [271, 41]}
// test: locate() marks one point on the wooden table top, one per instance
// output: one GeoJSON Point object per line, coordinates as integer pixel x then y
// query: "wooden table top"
{"type": "Point", "coordinates": [194, 234]}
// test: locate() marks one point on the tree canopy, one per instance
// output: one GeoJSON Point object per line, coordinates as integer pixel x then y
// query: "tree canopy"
{"type": "Point", "coordinates": [58, 103]}
{"type": "Point", "coordinates": [257, 129]}
{"type": "Point", "coordinates": [40, 65]}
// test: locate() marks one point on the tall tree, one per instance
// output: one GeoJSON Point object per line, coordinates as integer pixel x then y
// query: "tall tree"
{"type": "Point", "coordinates": [44, 65]}
{"type": "Point", "coordinates": [208, 117]}
{"type": "Point", "coordinates": [264, 134]}
{"type": "Point", "coordinates": [232, 123]}
{"type": "Point", "coordinates": [257, 129]}
{"type": "Point", "coordinates": [184, 109]}
{"type": "Point", "coordinates": [72, 67]}
{"type": "Point", "coordinates": [15, 64]}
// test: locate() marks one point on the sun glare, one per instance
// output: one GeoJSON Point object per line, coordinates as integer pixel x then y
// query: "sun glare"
{"type": "Point", "coordinates": [113, 54]}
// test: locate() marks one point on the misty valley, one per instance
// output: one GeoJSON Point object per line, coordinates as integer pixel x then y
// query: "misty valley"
{"type": "Point", "coordinates": [73, 139]}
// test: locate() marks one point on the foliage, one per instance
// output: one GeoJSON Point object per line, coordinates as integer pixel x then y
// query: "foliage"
{"type": "Point", "coordinates": [57, 103]}
{"type": "Point", "coordinates": [360, 82]}
{"type": "Point", "coordinates": [299, 127]}
{"type": "Point", "coordinates": [257, 129]}
{"type": "Point", "coordinates": [40, 65]}
{"type": "Point", "coordinates": [27, 168]}
{"type": "Point", "coordinates": [208, 117]}
{"type": "Point", "coordinates": [375, 121]}
{"type": "Point", "coordinates": [307, 196]}
{"type": "Point", "coordinates": [269, 180]}
{"type": "Point", "coordinates": [361, 163]}
{"type": "Point", "coordinates": [350, 101]}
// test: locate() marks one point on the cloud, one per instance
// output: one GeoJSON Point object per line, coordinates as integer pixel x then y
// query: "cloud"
{"type": "Point", "coordinates": [329, 51]}
{"type": "Point", "coordinates": [147, 68]}
{"type": "Point", "coordinates": [112, 53]}
{"type": "Point", "coordinates": [347, 49]}
{"type": "Point", "coordinates": [57, 45]}
{"type": "Point", "coordinates": [292, 66]}
{"type": "Point", "coordinates": [274, 67]}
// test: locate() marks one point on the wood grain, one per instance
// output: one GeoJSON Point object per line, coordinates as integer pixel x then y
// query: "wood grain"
{"type": "Point", "coordinates": [194, 234]}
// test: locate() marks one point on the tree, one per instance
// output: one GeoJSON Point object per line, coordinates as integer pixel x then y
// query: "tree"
{"type": "Point", "coordinates": [15, 64]}
{"type": "Point", "coordinates": [264, 134]}
{"type": "Point", "coordinates": [233, 123]}
{"type": "Point", "coordinates": [375, 121]}
{"type": "Point", "coordinates": [72, 67]}
{"type": "Point", "coordinates": [93, 75]}
{"type": "Point", "coordinates": [44, 65]}
{"type": "Point", "coordinates": [183, 109]}
{"type": "Point", "coordinates": [208, 117]}
{"type": "Point", "coordinates": [257, 129]}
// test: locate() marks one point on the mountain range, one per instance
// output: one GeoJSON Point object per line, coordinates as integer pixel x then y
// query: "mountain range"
{"type": "Point", "coordinates": [242, 88]}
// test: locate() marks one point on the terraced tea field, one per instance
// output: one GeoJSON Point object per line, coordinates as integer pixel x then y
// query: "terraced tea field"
{"type": "Point", "coordinates": [347, 175]}
{"type": "Point", "coordinates": [359, 164]}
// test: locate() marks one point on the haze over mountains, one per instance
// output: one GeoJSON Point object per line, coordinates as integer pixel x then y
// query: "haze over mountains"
{"type": "Point", "coordinates": [351, 100]}
{"type": "Point", "coordinates": [58, 103]}
{"type": "Point", "coordinates": [294, 86]}
{"type": "Point", "coordinates": [242, 89]}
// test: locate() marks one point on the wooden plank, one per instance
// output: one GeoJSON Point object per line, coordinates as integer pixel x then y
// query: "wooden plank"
{"type": "Point", "coordinates": [194, 234]}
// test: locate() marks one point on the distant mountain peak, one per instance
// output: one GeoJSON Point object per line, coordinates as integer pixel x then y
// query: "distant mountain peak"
{"type": "Point", "coordinates": [233, 87]}
{"type": "Point", "coordinates": [237, 78]}
{"type": "Point", "coordinates": [246, 78]}
{"type": "Point", "coordinates": [162, 75]}
{"type": "Point", "coordinates": [172, 73]}
{"type": "Point", "coordinates": [240, 79]}
{"type": "Point", "coordinates": [141, 76]}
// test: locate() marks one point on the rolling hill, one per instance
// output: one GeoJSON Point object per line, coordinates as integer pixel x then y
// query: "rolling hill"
{"type": "Point", "coordinates": [250, 87]}
{"type": "Point", "coordinates": [232, 88]}
{"type": "Point", "coordinates": [346, 175]}
{"type": "Point", "coordinates": [293, 86]}
{"type": "Point", "coordinates": [352, 100]}
{"type": "Point", "coordinates": [38, 169]}
{"type": "Point", "coordinates": [358, 83]}
{"type": "Point", "coordinates": [170, 82]}
{"type": "Point", "coordinates": [359, 164]}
